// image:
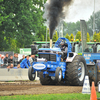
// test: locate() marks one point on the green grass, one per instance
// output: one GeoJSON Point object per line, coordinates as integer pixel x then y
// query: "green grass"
{"type": "Point", "coordinates": [67, 96]}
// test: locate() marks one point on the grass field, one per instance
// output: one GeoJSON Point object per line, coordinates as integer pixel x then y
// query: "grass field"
{"type": "Point", "coordinates": [71, 96]}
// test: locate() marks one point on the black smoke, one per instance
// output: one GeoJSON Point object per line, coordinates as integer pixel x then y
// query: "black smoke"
{"type": "Point", "coordinates": [54, 13]}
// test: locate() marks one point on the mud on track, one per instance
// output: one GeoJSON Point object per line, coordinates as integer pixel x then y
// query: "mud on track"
{"type": "Point", "coordinates": [28, 87]}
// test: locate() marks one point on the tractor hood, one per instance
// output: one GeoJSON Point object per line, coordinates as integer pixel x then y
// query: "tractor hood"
{"type": "Point", "coordinates": [51, 49]}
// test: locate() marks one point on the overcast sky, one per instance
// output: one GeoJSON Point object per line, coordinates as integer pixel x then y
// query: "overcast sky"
{"type": "Point", "coordinates": [82, 9]}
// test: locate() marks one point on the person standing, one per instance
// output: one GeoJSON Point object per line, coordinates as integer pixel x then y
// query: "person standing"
{"type": "Point", "coordinates": [2, 60]}
{"type": "Point", "coordinates": [10, 60]}
{"type": "Point", "coordinates": [31, 59]}
{"type": "Point", "coordinates": [6, 60]}
{"type": "Point", "coordinates": [21, 59]}
{"type": "Point", "coordinates": [11, 65]}
{"type": "Point", "coordinates": [25, 63]}
{"type": "Point", "coordinates": [15, 59]}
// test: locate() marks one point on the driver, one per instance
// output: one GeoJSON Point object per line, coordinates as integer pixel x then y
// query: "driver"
{"type": "Point", "coordinates": [64, 49]}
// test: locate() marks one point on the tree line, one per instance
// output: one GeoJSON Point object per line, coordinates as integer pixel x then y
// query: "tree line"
{"type": "Point", "coordinates": [73, 27]}
{"type": "Point", "coordinates": [71, 30]}
{"type": "Point", "coordinates": [77, 37]}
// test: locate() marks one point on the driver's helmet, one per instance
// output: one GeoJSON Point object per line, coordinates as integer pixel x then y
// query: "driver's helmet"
{"type": "Point", "coordinates": [62, 42]}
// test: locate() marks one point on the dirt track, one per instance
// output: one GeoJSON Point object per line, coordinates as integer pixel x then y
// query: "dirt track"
{"type": "Point", "coordinates": [21, 88]}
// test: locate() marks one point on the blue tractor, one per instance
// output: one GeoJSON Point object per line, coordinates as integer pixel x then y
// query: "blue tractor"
{"type": "Point", "coordinates": [92, 57]}
{"type": "Point", "coordinates": [55, 67]}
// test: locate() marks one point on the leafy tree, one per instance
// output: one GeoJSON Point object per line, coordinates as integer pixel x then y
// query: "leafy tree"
{"type": "Point", "coordinates": [78, 35]}
{"type": "Point", "coordinates": [3, 42]}
{"type": "Point", "coordinates": [88, 37]}
{"type": "Point", "coordinates": [67, 36]}
{"type": "Point", "coordinates": [95, 36]}
{"type": "Point", "coordinates": [20, 19]}
{"type": "Point", "coordinates": [97, 40]}
{"type": "Point", "coordinates": [55, 36]}
{"type": "Point", "coordinates": [71, 36]}
{"type": "Point", "coordinates": [42, 37]}
{"type": "Point", "coordinates": [2, 17]}
{"type": "Point", "coordinates": [71, 27]}
{"type": "Point", "coordinates": [98, 37]}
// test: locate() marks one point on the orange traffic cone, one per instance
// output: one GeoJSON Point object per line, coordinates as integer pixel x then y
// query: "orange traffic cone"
{"type": "Point", "coordinates": [93, 92]}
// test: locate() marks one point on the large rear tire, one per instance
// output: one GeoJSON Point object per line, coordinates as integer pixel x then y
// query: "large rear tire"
{"type": "Point", "coordinates": [76, 71]}
{"type": "Point", "coordinates": [31, 74]}
{"type": "Point", "coordinates": [46, 80]}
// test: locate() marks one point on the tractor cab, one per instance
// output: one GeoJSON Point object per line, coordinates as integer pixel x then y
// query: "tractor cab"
{"type": "Point", "coordinates": [92, 47]}
{"type": "Point", "coordinates": [76, 47]}
{"type": "Point", "coordinates": [96, 47]}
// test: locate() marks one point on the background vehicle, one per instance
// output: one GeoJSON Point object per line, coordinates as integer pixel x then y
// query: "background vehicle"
{"type": "Point", "coordinates": [92, 47]}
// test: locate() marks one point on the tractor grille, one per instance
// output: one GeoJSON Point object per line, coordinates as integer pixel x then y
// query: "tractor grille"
{"type": "Point", "coordinates": [49, 57]}
{"type": "Point", "coordinates": [52, 57]}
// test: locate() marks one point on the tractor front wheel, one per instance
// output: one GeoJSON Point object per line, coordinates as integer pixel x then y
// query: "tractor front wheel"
{"type": "Point", "coordinates": [31, 74]}
{"type": "Point", "coordinates": [58, 74]}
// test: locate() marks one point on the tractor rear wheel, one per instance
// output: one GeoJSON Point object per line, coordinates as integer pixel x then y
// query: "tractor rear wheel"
{"type": "Point", "coordinates": [46, 80]}
{"type": "Point", "coordinates": [76, 71]}
{"type": "Point", "coordinates": [31, 74]}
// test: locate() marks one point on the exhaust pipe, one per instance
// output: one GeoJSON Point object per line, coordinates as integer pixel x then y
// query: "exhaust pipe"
{"type": "Point", "coordinates": [50, 43]}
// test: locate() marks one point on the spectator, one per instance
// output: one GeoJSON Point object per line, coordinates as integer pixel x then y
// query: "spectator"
{"type": "Point", "coordinates": [17, 55]}
{"type": "Point", "coordinates": [8, 66]}
{"type": "Point", "coordinates": [18, 66]}
{"type": "Point", "coordinates": [25, 63]}
{"type": "Point", "coordinates": [31, 59]}
{"type": "Point", "coordinates": [6, 60]}
{"type": "Point", "coordinates": [21, 59]}
{"type": "Point", "coordinates": [10, 60]}
{"type": "Point", "coordinates": [34, 58]}
{"type": "Point", "coordinates": [2, 60]}
{"type": "Point", "coordinates": [15, 59]}
{"type": "Point", "coordinates": [14, 54]}
{"type": "Point", "coordinates": [11, 65]}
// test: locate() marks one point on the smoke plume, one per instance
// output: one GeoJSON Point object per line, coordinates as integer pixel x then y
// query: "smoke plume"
{"type": "Point", "coordinates": [54, 12]}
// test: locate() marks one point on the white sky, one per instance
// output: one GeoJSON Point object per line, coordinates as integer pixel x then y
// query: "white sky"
{"type": "Point", "coordinates": [82, 9]}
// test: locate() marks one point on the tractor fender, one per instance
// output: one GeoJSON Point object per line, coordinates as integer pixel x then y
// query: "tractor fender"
{"type": "Point", "coordinates": [71, 56]}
